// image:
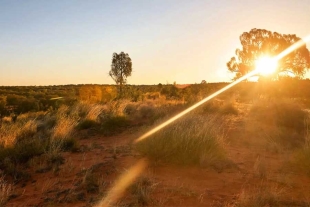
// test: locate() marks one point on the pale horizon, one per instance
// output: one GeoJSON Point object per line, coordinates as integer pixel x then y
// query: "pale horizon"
{"type": "Point", "coordinates": [72, 42]}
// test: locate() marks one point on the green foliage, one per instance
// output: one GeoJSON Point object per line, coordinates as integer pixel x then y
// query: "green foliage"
{"type": "Point", "coordinates": [121, 68]}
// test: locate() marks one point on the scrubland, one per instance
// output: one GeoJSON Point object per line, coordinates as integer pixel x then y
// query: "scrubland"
{"type": "Point", "coordinates": [239, 149]}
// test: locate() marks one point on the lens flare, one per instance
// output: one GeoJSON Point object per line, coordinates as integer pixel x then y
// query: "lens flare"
{"type": "Point", "coordinates": [266, 65]}
{"type": "Point", "coordinates": [272, 62]}
{"type": "Point", "coordinates": [293, 47]}
{"type": "Point", "coordinates": [194, 106]}
{"type": "Point", "coordinates": [122, 184]}
{"type": "Point", "coordinates": [56, 98]}
{"type": "Point", "coordinates": [126, 179]}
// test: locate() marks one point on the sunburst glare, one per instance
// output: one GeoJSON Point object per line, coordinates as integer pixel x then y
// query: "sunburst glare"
{"type": "Point", "coordinates": [266, 65]}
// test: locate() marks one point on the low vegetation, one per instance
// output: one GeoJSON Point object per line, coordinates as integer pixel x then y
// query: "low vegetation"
{"type": "Point", "coordinates": [39, 141]}
{"type": "Point", "coordinates": [6, 190]}
{"type": "Point", "coordinates": [259, 196]}
{"type": "Point", "coordinates": [192, 140]}
{"type": "Point", "coordinates": [302, 157]}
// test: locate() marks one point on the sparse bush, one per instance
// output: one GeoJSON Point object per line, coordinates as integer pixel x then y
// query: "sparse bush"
{"type": "Point", "coordinates": [11, 133]}
{"type": "Point", "coordinates": [130, 109]}
{"type": "Point", "coordinates": [61, 137]}
{"type": "Point", "coordinates": [87, 124]}
{"type": "Point", "coordinates": [192, 140]}
{"type": "Point", "coordinates": [141, 190]}
{"type": "Point", "coordinates": [259, 196]}
{"type": "Point", "coordinates": [114, 125]}
{"type": "Point", "coordinates": [90, 181]}
{"type": "Point", "coordinates": [229, 108]}
{"type": "Point", "coordinates": [219, 106]}
{"type": "Point", "coordinates": [94, 112]}
{"type": "Point", "coordinates": [116, 108]}
{"type": "Point", "coordinates": [18, 144]}
{"type": "Point", "coordinates": [147, 111]}
{"type": "Point", "coordinates": [282, 112]}
{"type": "Point", "coordinates": [259, 168]}
{"type": "Point", "coordinates": [285, 123]}
{"type": "Point", "coordinates": [302, 159]}
{"type": "Point", "coordinates": [6, 190]}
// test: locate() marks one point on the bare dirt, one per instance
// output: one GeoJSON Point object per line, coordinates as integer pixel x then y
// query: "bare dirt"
{"type": "Point", "coordinates": [86, 175]}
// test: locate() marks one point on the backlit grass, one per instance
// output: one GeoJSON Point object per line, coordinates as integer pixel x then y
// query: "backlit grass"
{"type": "Point", "coordinates": [193, 140]}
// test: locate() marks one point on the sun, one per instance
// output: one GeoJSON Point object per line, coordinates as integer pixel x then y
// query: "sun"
{"type": "Point", "coordinates": [266, 65]}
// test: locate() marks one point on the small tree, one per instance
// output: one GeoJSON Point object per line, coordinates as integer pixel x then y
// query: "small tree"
{"type": "Point", "coordinates": [121, 68]}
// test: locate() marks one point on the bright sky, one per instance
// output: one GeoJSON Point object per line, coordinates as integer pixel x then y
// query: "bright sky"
{"type": "Point", "coordinates": [187, 41]}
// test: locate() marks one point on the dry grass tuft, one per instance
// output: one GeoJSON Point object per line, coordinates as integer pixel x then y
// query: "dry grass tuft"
{"type": "Point", "coordinates": [11, 133]}
{"type": "Point", "coordinates": [259, 196]}
{"type": "Point", "coordinates": [6, 191]}
{"type": "Point", "coordinates": [302, 158]}
{"type": "Point", "coordinates": [281, 122]}
{"type": "Point", "coordinates": [192, 140]}
{"type": "Point", "coordinates": [259, 168]}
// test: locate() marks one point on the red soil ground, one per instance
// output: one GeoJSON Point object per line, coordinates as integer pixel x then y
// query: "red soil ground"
{"type": "Point", "coordinates": [168, 185]}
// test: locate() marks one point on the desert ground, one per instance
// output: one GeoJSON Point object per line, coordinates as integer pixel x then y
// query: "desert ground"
{"type": "Point", "coordinates": [228, 152]}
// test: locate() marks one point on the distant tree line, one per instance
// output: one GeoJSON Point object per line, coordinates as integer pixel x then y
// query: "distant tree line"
{"type": "Point", "coordinates": [19, 100]}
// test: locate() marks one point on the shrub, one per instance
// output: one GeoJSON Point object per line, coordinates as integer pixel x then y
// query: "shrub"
{"type": "Point", "coordinates": [302, 159]}
{"type": "Point", "coordinates": [11, 133]}
{"type": "Point", "coordinates": [130, 109]}
{"type": "Point", "coordinates": [116, 108]}
{"type": "Point", "coordinates": [147, 111]}
{"type": "Point", "coordinates": [283, 112]}
{"type": "Point", "coordinates": [86, 124]}
{"type": "Point", "coordinates": [229, 108]}
{"type": "Point", "coordinates": [218, 106]}
{"type": "Point", "coordinates": [259, 196]}
{"type": "Point", "coordinates": [61, 138]}
{"type": "Point", "coordinates": [282, 121]}
{"type": "Point", "coordinates": [114, 125]}
{"type": "Point", "coordinates": [6, 190]}
{"type": "Point", "coordinates": [192, 140]}
{"type": "Point", "coordinates": [141, 190]}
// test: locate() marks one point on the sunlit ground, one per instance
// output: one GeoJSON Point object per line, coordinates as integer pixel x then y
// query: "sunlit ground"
{"type": "Point", "coordinates": [264, 66]}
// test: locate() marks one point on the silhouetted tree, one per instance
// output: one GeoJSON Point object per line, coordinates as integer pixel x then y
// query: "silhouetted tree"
{"type": "Point", "coordinates": [121, 68]}
{"type": "Point", "coordinates": [261, 42]}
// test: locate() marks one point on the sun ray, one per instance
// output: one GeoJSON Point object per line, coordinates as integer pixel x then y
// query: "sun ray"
{"type": "Point", "coordinates": [122, 184]}
{"type": "Point", "coordinates": [266, 65]}
{"type": "Point", "coordinates": [127, 178]}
